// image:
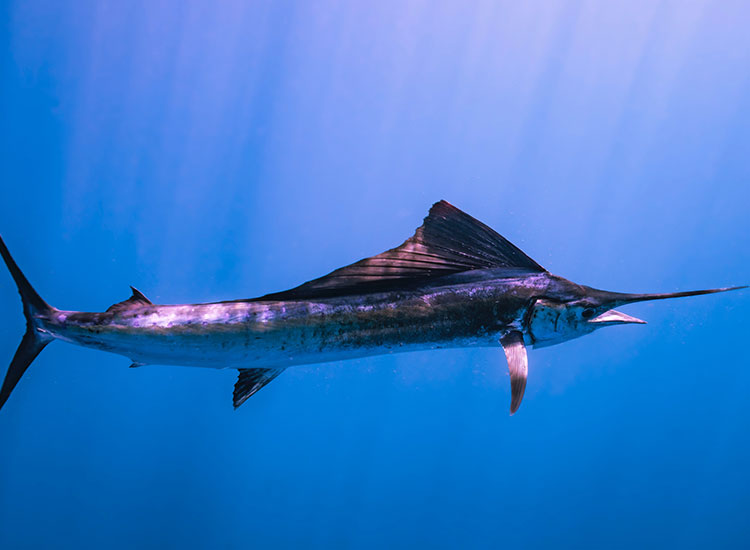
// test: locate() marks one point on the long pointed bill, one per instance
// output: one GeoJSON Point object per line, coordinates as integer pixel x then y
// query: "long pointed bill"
{"type": "Point", "coordinates": [615, 299]}
{"type": "Point", "coordinates": [632, 298]}
{"type": "Point", "coordinates": [613, 317]}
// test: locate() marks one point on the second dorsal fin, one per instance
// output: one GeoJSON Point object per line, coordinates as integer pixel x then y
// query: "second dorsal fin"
{"type": "Point", "coordinates": [136, 299]}
{"type": "Point", "coordinates": [449, 241]}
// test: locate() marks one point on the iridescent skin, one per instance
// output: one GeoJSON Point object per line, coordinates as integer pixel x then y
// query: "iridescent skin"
{"type": "Point", "coordinates": [471, 309]}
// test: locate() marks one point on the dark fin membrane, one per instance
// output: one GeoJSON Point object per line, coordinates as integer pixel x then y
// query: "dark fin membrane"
{"type": "Point", "coordinates": [250, 381]}
{"type": "Point", "coordinates": [34, 340]}
{"type": "Point", "coordinates": [31, 345]}
{"type": "Point", "coordinates": [518, 366]}
{"type": "Point", "coordinates": [136, 299]}
{"type": "Point", "coordinates": [448, 242]}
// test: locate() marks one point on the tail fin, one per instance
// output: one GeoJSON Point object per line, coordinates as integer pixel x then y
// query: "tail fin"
{"type": "Point", "coordinates": [33, 341]}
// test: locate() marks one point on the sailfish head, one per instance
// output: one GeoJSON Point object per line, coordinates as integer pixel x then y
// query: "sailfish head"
{"type": "Point", "coordinates": [554, 320]}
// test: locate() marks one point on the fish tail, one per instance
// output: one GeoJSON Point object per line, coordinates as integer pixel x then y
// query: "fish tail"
{"type": "Point", "coordinates": [35, 338]}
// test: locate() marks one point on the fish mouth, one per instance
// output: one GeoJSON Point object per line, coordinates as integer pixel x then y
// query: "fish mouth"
{"type": "Point", "coordinates": [614, 317]}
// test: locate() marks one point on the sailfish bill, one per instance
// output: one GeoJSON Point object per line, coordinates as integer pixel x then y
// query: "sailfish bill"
{"type": "Point", "coordinates": [633, 298]}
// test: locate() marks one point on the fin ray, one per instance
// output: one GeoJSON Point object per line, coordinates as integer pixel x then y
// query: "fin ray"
{"type": "Point", "coordinates": [448, 242]}
{"type": "Point", "coordinates": [250, 381]}
{"type": "Point", "coordinates": [33, 341]}
{"type": "Point", "coordinates": [31, 346]}
{"type": "Point", "coordinates": [136, 299]}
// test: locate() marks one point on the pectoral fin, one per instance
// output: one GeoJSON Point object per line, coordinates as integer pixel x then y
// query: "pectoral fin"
{"type": "Point", "coordinates": [518, 365]}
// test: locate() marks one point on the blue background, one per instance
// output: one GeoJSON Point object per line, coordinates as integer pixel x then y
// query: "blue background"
{"type": "Point", "coordinates": [220, 150]}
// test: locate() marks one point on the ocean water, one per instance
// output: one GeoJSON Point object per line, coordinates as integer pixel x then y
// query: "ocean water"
{"type": "Point", "coordinates": [222, 150]}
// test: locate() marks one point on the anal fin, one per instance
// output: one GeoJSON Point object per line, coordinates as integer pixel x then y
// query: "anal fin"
{"type": "Point", "coordinates": [250, 381]}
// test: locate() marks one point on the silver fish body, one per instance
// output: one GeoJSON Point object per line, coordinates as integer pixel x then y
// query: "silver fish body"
{"type": "Point", "coordinates": [281, 334]}
{"type": "Point", "coordinates": [454, 283]}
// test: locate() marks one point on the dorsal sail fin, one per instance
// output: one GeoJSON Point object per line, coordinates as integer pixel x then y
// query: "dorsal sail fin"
{"type": "Point", "coordinates": [448, 242]}
{"type": "Point", "coordinates": [136, 299]}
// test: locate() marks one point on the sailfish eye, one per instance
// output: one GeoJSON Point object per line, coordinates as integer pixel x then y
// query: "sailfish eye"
{"type": "Point", "coordinates": [588, 313]}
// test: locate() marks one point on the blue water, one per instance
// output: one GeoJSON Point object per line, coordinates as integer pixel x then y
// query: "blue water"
{"type": "Point", "coordinates": [221, 150]}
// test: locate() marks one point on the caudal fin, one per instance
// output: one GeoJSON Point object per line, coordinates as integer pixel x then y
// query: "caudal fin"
{"type": "Point", "coordinates": [34, 340]}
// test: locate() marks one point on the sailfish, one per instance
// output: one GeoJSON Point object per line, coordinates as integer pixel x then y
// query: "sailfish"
{"type": "Point", "coordinates": [455, 283]}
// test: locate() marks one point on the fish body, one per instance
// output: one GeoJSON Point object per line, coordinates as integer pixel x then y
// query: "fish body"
{"type": "Point", "coordinates": [455, 283]}
{"type": "Point", "coordinates": [281, 334]}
